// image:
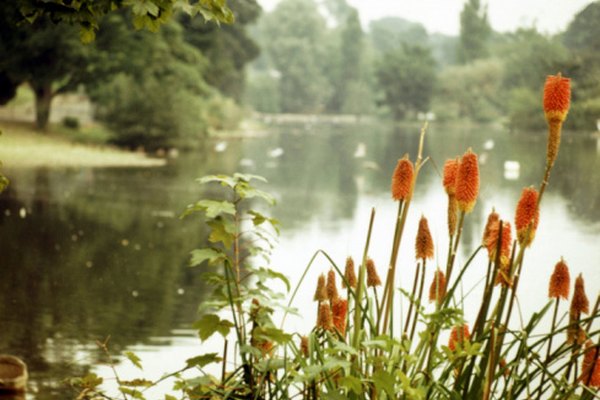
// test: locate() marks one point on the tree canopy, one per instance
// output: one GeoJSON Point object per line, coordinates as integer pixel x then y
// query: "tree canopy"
{"type": "Point", "coordinates": [145, 14]}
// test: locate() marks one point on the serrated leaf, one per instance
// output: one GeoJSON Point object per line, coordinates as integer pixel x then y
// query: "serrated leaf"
{"type": "Point", "coordinates": [211, 254]}
{"type": "Point", "coordinates": [384, 382]}
{"type": "Point", "coordinates": [246, 191]}
{"type": "Point", "coordinates": [222, 179]}
{"type": "Point", "coordinates": [201, 361]}
{"type": "Point", "coordinates": [135, 360]}
{"type": "Point", "coordinates": [272, 334]}
{"type": "Point", "coordinates": [209, 324]}
{"type": "Point", "coordinates": [220, 232]}
{"type": "Point", "coordinates": [212, 208]}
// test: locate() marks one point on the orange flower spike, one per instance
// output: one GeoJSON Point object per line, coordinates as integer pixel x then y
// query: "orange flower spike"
{"type": "Point", "coordinates": [372, 276]}
{"type": "Point", "coordinates": [505, 244]}
{"type": "Point", "coordinates": [527, 216]}
{"type": "Point", "coordinates": [424, 242]}
{"type": "Point", "coordinates": [590, 366]}
{"type": "Point", "coordinates": [332, 292]}
{"type": "Point", "coordinates": [580, 303]}
{"type": "Point", "coordinates": [437, 290]}
{"type": "Point", "coordinates": [449, 181]}
{"type": "Point", "coordinates": [458, 336]}
{"type": "Point", "coordinates": [349, 274]}
{"type": "Point", "coordinates": [557, 97]}
{"type": "Point", "coordinates": [467, 182]}
{"type": "Point", "coordinates": [560, 281]}
{"type": "Point", "coordinates": [321, 291]}
{"type": "Point", "coordinates": [324, 318]}
{"type": "Point", "coordinates": [304, 345]}
{"type": "Point", "coordinates": [403, 179]}
{"type": "Point", "coordinates": [491, 223]}
{"type": "Point", "coordinates": [340, 311]}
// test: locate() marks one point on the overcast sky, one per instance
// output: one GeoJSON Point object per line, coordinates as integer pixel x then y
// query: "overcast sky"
{"type": "Point", "coordinates": [549, 16]}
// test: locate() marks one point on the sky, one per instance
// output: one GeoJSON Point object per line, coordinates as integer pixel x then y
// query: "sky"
{"type": "Point", "coordinates": [549, 16]}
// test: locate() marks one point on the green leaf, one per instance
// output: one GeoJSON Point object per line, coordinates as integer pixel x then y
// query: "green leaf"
{"type": "Point", "coordinates": [352, 384]}
{"type": "Point", "coordinates": [201, 361]}
{"type": "Point", "coordinates": [137, 383]}
{"type": "Point", "coordinates": [169, 397]}
{"type": "Point", "coordinates": [136, 394]}
{"type": "Point", "coordinates": [245, 191]}
{"type": "Point", "coordinates": [272, 334]}
{"type": "Point", "coordinates": [249, 177]}
{"type": "Point", "coordinates": [135, 360]}
{"type": "Point", "coordinates": [209, 253]}
{"type": "Point", "coordinates": [222, 179]}
{"type": "Point", "coordinates": [221, 232]}
{"type": "Point", "coordinates": [266, 273]}
{"type": "Point", "coordinates": [212, 208]}
{"type": "Point", "coordinates": [209, 324]}
{"type": "Point", "coordinates": [384, 382]}
{"type": "Point", "coordinates": [87, 35]}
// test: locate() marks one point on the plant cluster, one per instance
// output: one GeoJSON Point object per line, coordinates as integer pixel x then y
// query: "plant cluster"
{"type": "Point", "coordinates": [360, 348]}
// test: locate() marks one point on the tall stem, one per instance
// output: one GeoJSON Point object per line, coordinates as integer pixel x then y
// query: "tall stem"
{"type": "Point", "coordinates": [418, 303]}
{"type": "Point", "coordinates": [361, 285]}
{"type": "Point", "coordinates": [452, 257]}
{"type": "Point", "coordinates": [412, 301]}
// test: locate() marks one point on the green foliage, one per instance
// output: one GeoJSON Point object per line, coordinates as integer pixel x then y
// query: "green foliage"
{"type": "Point", "coordinates": [406, 77]}
{"type": "Point", "coordinates": [228, 47]}
{"type": "Point", "coordinates": [145, 14]}
{"type": "Point", "coordinates": [470, 92]}
{"type": "Point", "coordinates": [475, 32]}
{"type": "Point", "coordinates": [389, 33]}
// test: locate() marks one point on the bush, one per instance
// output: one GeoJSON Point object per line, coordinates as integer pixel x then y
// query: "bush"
{"type": "Point", "coordinates": [71, 122]}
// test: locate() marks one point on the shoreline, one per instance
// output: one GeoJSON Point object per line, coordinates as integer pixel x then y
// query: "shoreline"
{"type": "Point", "coordinates": [22, 147]}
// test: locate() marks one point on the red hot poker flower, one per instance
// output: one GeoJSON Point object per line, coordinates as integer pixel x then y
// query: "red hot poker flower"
{"type": "Point", "coordinates": [560, 281]}
{"type": "Point", "coordinates": [467, 182]}
{"type": "Point", "coordinates": [557, 97]}
{"type": "Point", "coordinates": [403, 179]}
{"type": "Point", "coordinates": [527, 216]}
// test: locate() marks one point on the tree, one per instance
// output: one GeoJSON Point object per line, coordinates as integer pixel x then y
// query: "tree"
{"type": "Point", "coordinates": [581, 37]}
{"type": "Point", "coordinates": [389, 33]}
{"type": "Point", "coordinates": [293, 38]}
{"type": "Point", "coordinates": [158, 96]}
{"type": "Point", "coordinates": [350, 61]}
{"type": "Point", "coordinates": [49, 57]}
{"type": "Point", "coordinates": [145, 14]}
{"type": "Point", "coordinates": [228, 47]}
{"type": "Point", "coordinates": [406, 77]}
{"type": "Point", "coordinates": [475, 32]}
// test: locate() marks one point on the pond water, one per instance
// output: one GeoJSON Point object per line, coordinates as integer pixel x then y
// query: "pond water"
{"type": "Point", "coordinates": [92, 253]}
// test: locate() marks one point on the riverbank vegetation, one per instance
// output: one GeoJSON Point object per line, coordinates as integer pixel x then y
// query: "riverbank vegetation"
{"type": "Point", "coordinates": [363, 345]}
{"type": "Point", "coordinates": [173, 87]}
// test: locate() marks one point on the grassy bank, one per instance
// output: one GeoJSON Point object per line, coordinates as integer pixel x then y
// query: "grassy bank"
{"type": "Point", "coordinates": [21, 146]}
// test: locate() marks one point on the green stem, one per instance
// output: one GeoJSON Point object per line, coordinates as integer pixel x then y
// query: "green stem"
{"type": "Point", "coordinates": [361, 286]}
{"type": "Point", "coordinates": [452, 257]}
{"type": "Point", "coordinates": [412, 299]}
{"type": "Point", "coordinates": [418, 303]}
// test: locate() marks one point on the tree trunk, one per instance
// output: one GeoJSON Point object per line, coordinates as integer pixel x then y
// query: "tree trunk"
{"type": "Point", "coordinates": [43, 100]}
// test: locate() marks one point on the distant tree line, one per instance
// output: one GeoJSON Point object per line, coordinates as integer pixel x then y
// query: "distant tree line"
{"type": "Point", "coordinates": [318, 59]}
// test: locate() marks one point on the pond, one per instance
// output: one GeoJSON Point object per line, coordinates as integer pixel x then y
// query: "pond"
{"type": "Point", "coordinates": [88, 254]}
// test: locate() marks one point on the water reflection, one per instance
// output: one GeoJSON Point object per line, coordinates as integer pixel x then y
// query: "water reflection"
{"type": "Point", "coordinates": [101, 252]}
